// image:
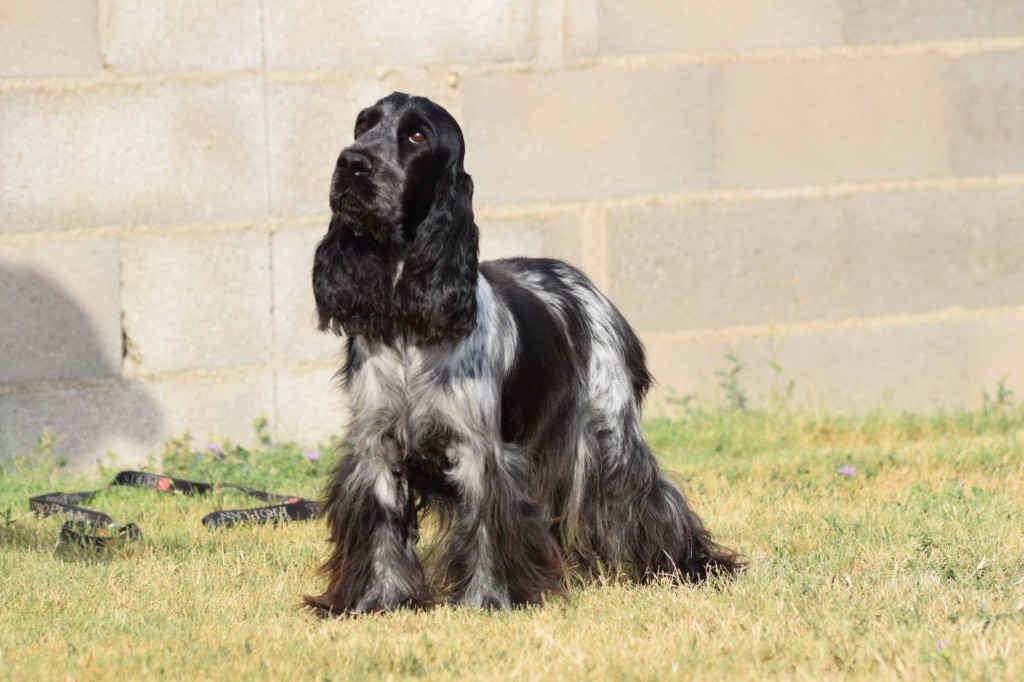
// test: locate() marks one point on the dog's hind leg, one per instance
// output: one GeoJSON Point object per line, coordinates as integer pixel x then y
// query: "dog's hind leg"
{"type": "Point", "coordinates": [636, 517]}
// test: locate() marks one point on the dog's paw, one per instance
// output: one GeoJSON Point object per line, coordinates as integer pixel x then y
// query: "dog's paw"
{"type": "Point", "coordinates": [491, 598]}
{"type": "Point", "coordinates": [329, 606]}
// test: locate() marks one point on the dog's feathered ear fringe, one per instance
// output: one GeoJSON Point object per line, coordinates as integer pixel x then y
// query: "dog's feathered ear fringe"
{"type": "Point", "coordinates": [352, 282]}
{"type": "Point", "coordinates": [436, 294]}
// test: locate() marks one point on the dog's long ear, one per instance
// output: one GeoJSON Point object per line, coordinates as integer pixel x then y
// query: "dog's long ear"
{"type": "Point", "coordinates": [352, 282]}
{"type": "Point", "coordinates": [436, 293]}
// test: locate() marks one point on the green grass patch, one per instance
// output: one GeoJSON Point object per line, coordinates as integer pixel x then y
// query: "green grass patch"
{"type": "Point", "coordinates": [882, 545]}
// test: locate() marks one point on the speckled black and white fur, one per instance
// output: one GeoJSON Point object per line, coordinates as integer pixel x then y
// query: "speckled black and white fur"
{"type": "Point", "coordinates": [505, 396]}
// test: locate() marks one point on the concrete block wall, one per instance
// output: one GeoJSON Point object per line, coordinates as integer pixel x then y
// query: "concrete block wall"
{"type": "Point", "coordinates": [831, 191]}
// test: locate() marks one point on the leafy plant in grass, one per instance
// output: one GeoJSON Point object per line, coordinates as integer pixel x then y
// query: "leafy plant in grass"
{"type": "Point", "coordinates": [44, 451]}
{"type": "Point", "coordinates": [997, 402]}
{"type": "Point", "coordinates": [781, 394]}
{"type": "Point", "coordinates": [729, 380]}
{"type": "Point", "coordinates": [8, 517]}
{"type": "Point", "coordinates": [269, 465]}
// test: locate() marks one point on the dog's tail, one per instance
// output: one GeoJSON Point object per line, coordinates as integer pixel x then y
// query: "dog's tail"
{"type": "Point", "coordinates": [669, 539]}
{"type": "Point", "coordinates": [662, 534]}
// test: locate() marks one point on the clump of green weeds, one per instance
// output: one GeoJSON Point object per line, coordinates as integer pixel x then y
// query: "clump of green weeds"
{"type": "Point", "coordinates": [268, 464]}
{"type": "Point", "coordinates": [1000, 401]}
{"type": "Point", "coordinates": [45, 449]}
{"type": "Point", "coordinates": [729, 381]}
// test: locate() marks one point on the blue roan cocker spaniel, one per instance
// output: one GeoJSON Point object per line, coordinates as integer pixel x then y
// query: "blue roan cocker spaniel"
{"type": "Point", "coordinates": [503, 396]}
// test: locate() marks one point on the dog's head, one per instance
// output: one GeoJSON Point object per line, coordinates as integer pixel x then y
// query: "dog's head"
{"type": "Point", "coordinates": [400, 196]}
{"type": "Point", "coordinates": [385, 182]}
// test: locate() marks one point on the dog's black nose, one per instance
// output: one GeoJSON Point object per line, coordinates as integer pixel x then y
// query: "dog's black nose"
{"type": "Point", "coordinates": [354, 163]}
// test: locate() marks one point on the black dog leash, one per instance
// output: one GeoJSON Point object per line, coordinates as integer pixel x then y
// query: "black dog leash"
{"type": "Point", "coordinates": [93, 528]}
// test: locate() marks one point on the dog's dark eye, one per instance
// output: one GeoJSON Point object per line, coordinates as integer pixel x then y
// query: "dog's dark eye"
{"type": "Point", "coordinates": [362, 126]}
{"type": "Point", "coordinates": [417, 138]}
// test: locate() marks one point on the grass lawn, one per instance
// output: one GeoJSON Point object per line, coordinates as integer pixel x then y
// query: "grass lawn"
{"type": "Point", "coordinates": [907, 563]}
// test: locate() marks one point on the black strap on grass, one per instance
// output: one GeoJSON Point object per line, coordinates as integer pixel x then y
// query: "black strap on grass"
{"type": "Point", "coordinates": [96, 529]}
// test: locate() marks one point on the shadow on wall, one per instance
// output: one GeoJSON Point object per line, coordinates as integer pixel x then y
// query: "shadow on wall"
{"type": "Point", "coordinates": [59, 371]}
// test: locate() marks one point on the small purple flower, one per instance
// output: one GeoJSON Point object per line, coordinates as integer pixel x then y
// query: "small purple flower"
{"type": "Point", "coordinates": [941, 645]}
{"type": "Point", "coordinates": [848, 470]}
{"type": "Point", "coordinates": [960, 484]}
{"type": "Point", "coordinates": [312, 455]}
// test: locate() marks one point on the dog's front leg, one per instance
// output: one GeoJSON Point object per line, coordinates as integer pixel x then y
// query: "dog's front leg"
{"type": "Point", "coordinates": [502, 552]}
{"type": "Point", "coordinates": [372, 520]}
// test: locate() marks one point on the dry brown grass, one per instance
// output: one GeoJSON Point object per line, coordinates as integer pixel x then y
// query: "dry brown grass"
{"type": "Point", "coordinates": [912, 568]}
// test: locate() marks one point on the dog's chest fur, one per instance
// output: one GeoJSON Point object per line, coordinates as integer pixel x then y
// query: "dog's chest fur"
{"type": "Point", "coordinates": [425, 399]}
